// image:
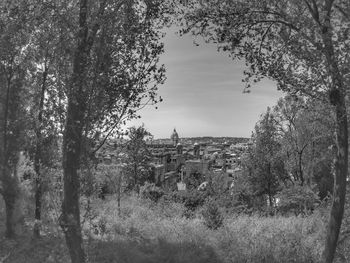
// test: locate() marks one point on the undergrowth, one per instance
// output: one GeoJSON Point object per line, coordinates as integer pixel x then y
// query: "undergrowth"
{"type": "Point", "coordinates": [145, 231]}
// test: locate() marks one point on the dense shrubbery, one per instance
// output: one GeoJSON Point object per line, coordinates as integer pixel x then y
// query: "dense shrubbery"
{"type": "Point", "coordinates": [151, 191]}
{"type": "Point", "coordinates": [213, 218]}
{"type": "Point", "coordinates": [297, 200]}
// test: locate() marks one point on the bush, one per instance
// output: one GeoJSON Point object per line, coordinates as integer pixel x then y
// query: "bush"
{"type": "Point", "coordinates": [194, 199]}
{"type": "Point", "coordinates": [296, 199]}
{"type": "Point", "coordinates": [152, 192]}
{"type": "Point", "coordinates": [213, 219]}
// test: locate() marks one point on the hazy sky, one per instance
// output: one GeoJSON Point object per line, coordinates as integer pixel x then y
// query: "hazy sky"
{"type": "Point", "coordinates": [203, 94]}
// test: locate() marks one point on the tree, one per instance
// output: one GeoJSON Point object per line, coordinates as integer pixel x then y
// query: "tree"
{"type": "Point", "coordinates": [137, 169]}
{"type": "Point", "coordinates": [303, 46]}
{"type": "Point", "coordinates": [306, 138]}
{"type": "Point", "coordinates": [116, 87]}
{"type": "Point", "coordinates": [306, 133]}
{"type": "Point", "coordinates": [15, 29]}
{"type": "Point", "coordinates": [47, 53]}
{"type": "Point", "coordinates": [267, 171]}
{"type": "Point", "coordinates": [293, 129]}
{"type": "Point", "coordinates": [29, 47]}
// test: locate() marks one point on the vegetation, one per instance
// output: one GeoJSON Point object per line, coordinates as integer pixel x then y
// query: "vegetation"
{"type": "Point", "coordinates": [74, 71]}
{"type": "Point", "coordinates": [300, 45]}
{"type": "Point", "coordinates": [156, 232]}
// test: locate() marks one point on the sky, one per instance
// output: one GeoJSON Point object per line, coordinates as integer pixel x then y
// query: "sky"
{"type": "Point", "coordinates": [203, 94]}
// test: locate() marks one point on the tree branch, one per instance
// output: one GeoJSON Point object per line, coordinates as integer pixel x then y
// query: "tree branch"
{"type": "Point", "coordinates": [114, 126]}
{"type": "Point", "coordinates": [343, 12]}
{"type": "Point", "coordinates": [313, 11]}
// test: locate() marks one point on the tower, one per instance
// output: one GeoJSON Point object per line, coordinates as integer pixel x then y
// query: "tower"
{"type": "Point", "coordinates": [174, 137]}
{"type": "Point", "coordinates": [196, 150]}
{"type": "Point", "coordinates": [179, 148]}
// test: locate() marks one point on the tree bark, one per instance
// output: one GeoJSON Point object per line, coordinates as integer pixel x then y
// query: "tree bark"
{"type": "Point", "coordinates": [73, 134]}
{"type": "Point", "coordinates": [337, 99]}
{"type": "Point", "coordinates": [119, 193]}
{"type": "Point", "coordinates": [301, 175]}
{"type": "Point", "coordinates": [37, 159]}
{"type": "Point", "coordinates": [340, 174]}
{"type": "Point", "coordinates": [10, 188]}
{"type": "Point", "coordinates": [11, 194]}
{"type": "Point", "coordinates": [72, 139]}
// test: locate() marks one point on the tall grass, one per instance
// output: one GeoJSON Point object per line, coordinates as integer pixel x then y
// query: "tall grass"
{"type": "Point", "coordinates": [145, 231]}
{"type": "Point", "coordinates": [162, 229]}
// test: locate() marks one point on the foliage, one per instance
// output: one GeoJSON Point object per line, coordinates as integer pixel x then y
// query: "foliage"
{"type": "Point", "coordinates": [158, 231]}
{"type": "Point", "coordinates": [306, 136]}
{"type": "Point", "coordinates": [137, 169]}
{"type": "Point", "coordinates": [151, 191]}
{"type": "Point", "coordinates": [302, 45]}
{"type": "Point", "coordinates": [194, 199]}
{"type": "Point", "coordinates": [297, 199]}
{"type": "Point", "coordinates": [101, 180]}
{"type": "Point", "coordinates": [280, 40]}
{"type": "Point", "coordinates": [125, 62]}
{"type": "Point", "coordinates": [213, 219]}
{"type": "Point", "coordinates": [265, 168]}
{"type": "Point", "coordinates": [324, 178]}
{"type": "Point", "coordinates": [240, 238]}
{"type": "Point", "coordinates": [293, 140]}
{"type": "Point", "coordinates": [244, 199]}
{"type": "Point", "coordinates": [194, 180]}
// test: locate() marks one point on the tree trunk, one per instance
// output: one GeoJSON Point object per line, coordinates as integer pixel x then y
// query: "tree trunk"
{"type": "Point", "coordinates": [337, 99]}
{"type": "Point", "coordinates": [301, 175]}
{"type": "Point", "coordinates": [72, 139]}
{"type": "Point", "coordinates": [119, 193]}
{"type": "Point", "coordinates": [340, 174]}
{"type": "Point", "coordinates": [38, 198]}
{"type": "Point", "coordinates": [10, 188]}
{"type": "Point", "coordinates": [70, 218]}
{"type": "Point", "coordinates": [37, 160]}
{"type": "Point", "coordinates": [12, 203]}
{"type": "Point", "coordinates": [73, 134]}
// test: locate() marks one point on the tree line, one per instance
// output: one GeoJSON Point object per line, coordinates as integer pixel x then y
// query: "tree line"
{"type": "Point", "coordinates": [72, 72]}
{"type": "Point", "coordinates": [303, 46]}
{"type": "Point", "coordinates": [292, 148]}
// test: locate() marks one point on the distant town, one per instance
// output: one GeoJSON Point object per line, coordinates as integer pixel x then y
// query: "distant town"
{"type": "Point", "coordinates": [175, 159]}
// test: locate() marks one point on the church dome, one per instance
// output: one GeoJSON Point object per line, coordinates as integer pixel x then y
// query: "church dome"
{"type": "Point", "coordinates": [174, 136]}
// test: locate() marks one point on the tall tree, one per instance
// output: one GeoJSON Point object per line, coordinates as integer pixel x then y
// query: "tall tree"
{"type": "Point", "coordinates": [295, 136]}
{"type": "Point", "coordinates": [15, 29]}
{"type": "Point", "coordinates": [306, 136]}
{"type": "Point", "coordinates": [99, 79]}
{"type": "Point", "coordinates": [137, 159]}
{"type": "Point", "coordinates": [267, 171]}
{"type": "Point", "coordinates": [303, 45]}
{"type": "Point", "coordinates": [47, 52]}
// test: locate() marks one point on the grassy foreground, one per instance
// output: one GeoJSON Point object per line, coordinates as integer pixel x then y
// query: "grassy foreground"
{"type": "Point", "coordinates": [149, 232]}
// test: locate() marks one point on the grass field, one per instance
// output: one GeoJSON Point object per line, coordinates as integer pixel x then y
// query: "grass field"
{"type": "Point", "coordinates": [149, 232]}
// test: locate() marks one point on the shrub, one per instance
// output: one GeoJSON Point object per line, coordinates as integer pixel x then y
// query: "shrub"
{"type": "Point", "coordinates": [194, 199]}
{"type": "Point", "coordinates": [213, 219]}
{"type": "Point", "coordinates": [152, 192]}
{"type": "Point", "coordinates": [296, 199]}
